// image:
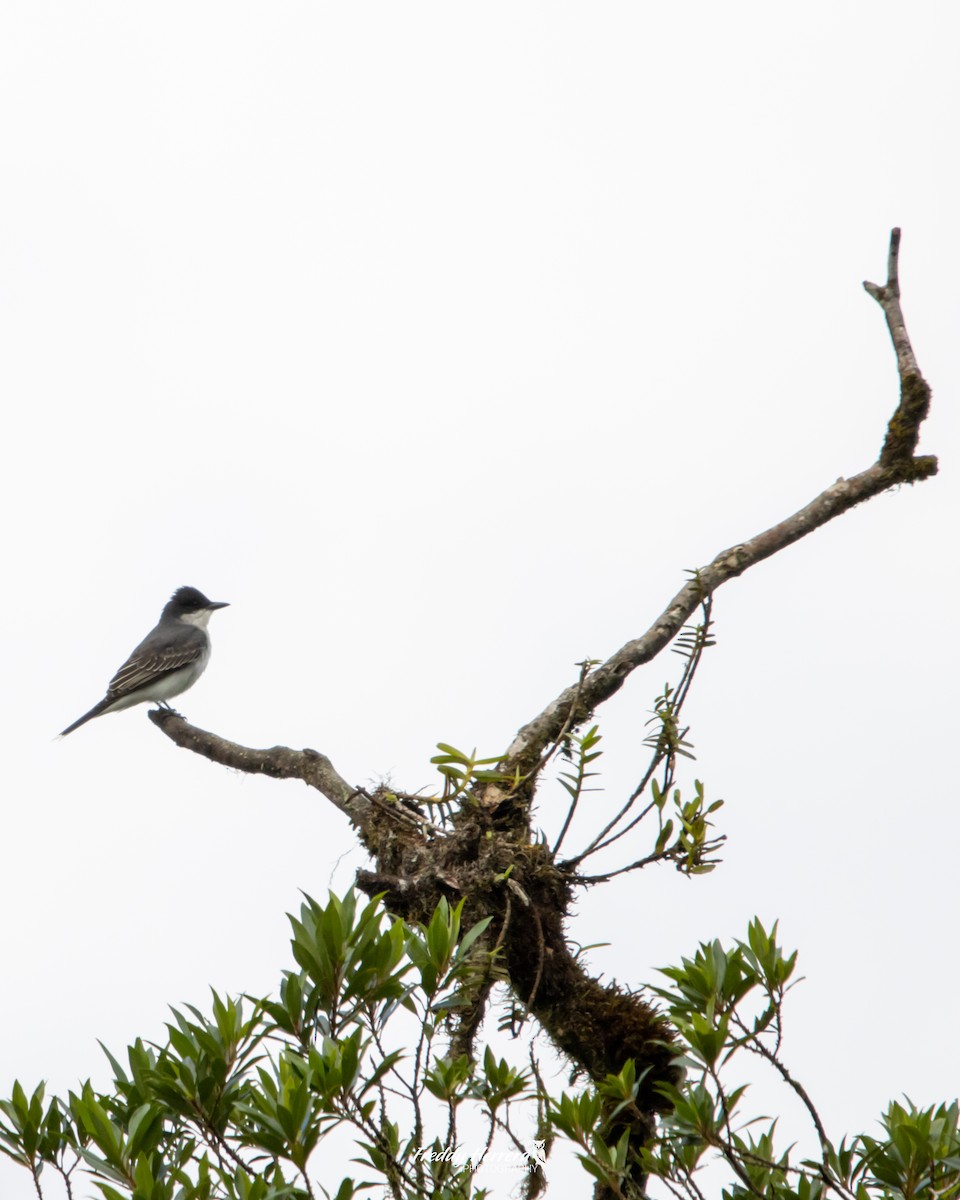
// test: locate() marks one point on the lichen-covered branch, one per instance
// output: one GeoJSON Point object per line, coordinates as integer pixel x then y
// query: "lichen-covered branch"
{"type": "Point", "coordinates": [279, 762]}
{"type": "Point", "coordinates": [903, 432]}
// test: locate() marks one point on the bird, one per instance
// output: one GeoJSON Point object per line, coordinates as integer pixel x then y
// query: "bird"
{"type": "Point", "coordinates": [170, 659]}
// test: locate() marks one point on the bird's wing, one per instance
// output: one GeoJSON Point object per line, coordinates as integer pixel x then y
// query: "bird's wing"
{"type": "Point", "coordinates": [152, 659]}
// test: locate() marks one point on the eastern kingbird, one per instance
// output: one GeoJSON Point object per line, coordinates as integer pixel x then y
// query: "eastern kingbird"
{"type": "Point", "coordinates": [170, 658]}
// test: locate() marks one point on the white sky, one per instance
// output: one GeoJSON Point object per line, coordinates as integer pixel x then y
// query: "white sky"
{"type": "Point", "coordinates": [440, 340]}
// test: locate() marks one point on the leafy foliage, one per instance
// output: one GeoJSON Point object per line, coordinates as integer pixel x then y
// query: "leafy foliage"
{"type": "Point", "coordinates": [236, 1104]}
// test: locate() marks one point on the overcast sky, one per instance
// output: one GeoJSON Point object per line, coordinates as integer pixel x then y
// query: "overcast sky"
{"type": "Point", "coordinates": [441, 340]}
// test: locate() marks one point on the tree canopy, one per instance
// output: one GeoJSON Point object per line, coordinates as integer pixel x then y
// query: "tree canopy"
{"type": "Point", "coordinates": [381, 1031]}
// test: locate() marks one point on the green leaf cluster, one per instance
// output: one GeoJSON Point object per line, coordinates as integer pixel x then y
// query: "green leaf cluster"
{"type": "Point", "coordinates": [693, 845]}
{"type": "Point", "coordinates": [236, 1104]}
{"type": "Point", "coordinates": [460, 771]}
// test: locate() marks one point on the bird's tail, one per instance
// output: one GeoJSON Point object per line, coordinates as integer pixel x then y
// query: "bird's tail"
{"type": "Point", "coordinates": [88, 716]}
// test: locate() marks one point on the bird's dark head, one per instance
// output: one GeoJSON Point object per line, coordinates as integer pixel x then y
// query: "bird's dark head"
{"type": "Point", "coordinates": [188, 602]}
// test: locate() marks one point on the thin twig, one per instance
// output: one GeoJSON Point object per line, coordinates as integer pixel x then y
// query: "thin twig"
{"type": "Point", "coordinates": [585, 667]}
{"type": "Point", "coordinates": [601, 841]}
{"type": "Point", "coordinates": [752, 1042]}
{"type": "Point", "coordinates": [400, 812]}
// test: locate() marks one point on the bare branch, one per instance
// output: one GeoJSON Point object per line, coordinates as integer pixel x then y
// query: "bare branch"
{"type": "Point", "coordinates": [897, 464]}
{"type": "Point", "coordinates": [888, 297]}
{"type": "Point", "coordinates": [279, 762]}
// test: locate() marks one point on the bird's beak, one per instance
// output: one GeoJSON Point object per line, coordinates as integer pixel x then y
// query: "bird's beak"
{"type": "Point", "coordinates": [219, 604]}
